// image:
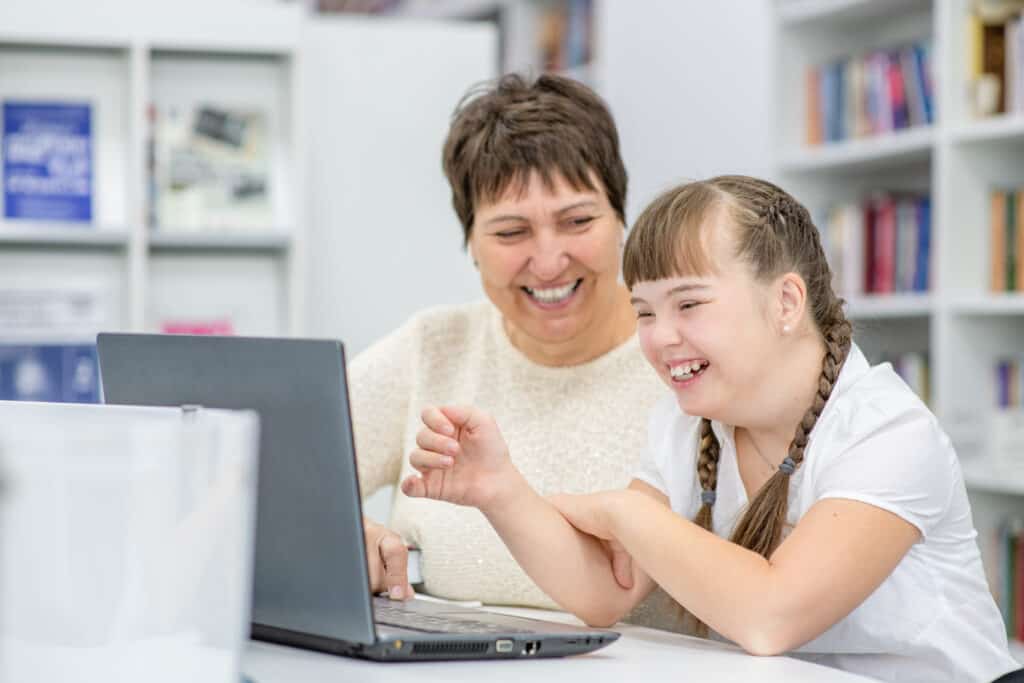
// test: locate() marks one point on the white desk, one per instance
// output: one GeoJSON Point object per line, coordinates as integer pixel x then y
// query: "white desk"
{"type": "Point", "coordinates": [640, 654]}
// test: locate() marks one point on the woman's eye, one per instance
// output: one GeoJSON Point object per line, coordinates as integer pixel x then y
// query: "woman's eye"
{"type": "Point", "coordinates": [509, 234]}
{"type": "Point", "coordinates": [688, 305]}
{"type": "Point", "coordinates": [580, 221]}
{"type": "Point", "coordinates": [644, 314]}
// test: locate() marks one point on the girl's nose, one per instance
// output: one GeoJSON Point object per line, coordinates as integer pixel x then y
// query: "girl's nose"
{"type": "Point", "coordinates": [666, 332]}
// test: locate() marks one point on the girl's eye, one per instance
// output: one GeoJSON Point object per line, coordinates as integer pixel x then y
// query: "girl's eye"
{"type": "Point", "coordinates": [686, 305]}
{"type": "Point", "coordinates": [644, 314]}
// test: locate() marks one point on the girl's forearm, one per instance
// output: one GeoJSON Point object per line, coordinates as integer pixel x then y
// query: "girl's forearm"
{"type": "Point", "coordinates": [720, 582]}
{"type": "Point", "coordinates": [573, 568]}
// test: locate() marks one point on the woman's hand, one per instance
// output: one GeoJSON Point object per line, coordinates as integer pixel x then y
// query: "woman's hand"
{"type": "Point", "coordinates": [462, 459]}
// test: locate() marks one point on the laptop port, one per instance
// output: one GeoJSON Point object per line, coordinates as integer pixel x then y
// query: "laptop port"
{"type": "Point", "coordinates": [503, 645]}
{"type": "Point", "coordinates": [532, 647]}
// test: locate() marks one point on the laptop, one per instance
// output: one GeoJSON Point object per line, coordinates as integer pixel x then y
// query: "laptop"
{"type": "Point", "coordinates": [310, 583]}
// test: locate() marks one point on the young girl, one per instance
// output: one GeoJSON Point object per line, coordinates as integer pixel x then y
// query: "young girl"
{"type": "Point", "coordinates": [830, 517]}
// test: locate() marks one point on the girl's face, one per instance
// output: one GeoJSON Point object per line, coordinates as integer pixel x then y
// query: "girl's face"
{"type": "Point", "coordinates": [710, 338]}
{"type": "Point", "coordinates": [549, 258]}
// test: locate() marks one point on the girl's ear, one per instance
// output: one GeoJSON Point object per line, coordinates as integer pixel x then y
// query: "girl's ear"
{"type": "Point", "coordinates": [792, 301]}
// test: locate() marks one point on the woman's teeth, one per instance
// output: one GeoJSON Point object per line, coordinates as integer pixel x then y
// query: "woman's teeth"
{"type": "Point", "coordinates": [687, 370]}
{"type": "Point", "coordinates": [553, 295]}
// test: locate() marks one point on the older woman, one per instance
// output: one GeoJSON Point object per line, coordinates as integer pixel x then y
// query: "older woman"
{"type": "Point", "coordinates": [539, 187]}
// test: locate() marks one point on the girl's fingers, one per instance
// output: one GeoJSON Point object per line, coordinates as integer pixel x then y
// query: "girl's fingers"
{"type": "Point", "coordinates": [429, 440]}
{"type": "Point", "coordinates": [427, 461]}
{"type": "Point", "coordinates": [622, 568]}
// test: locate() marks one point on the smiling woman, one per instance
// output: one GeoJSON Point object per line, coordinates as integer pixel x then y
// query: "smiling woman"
{"type": "Point", "coordinates": [539, 188]}
{"type": "Point", "coordinates": [548, 256]}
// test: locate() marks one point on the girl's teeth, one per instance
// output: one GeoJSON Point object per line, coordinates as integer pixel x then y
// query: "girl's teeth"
{"type": "Point", "coordinates": [686, 370]}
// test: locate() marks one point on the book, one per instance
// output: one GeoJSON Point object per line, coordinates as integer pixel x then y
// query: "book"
{"type": "Point", "coordinates": [1011, 241]}
{"type": "Point", "coordinates": [924, 236]}
{"type": "Point", "coordinates": [993, 67]}
{"type": "Point", "coordinates": [212, 169]}
{"type": "Point", "coordinates": [813, 106]}
{"type": "Point", "coordinates": [997, 245]}
{"type": "Point", "coordinates": [1018, 285]}
{"type": "Point", "coordinates": [220, 326]}
{"type": "Point", "coordinates": [47, 161]}
{"type": "Point", "coordinates": [64, 373]}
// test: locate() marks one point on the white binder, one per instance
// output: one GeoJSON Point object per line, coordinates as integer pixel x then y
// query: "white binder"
{"type": "Point", "coordinates": [126, 538]}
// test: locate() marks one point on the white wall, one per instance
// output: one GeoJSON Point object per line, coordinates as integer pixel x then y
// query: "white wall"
{"type": "Point", "coordinates": [384, 241]}
{"type": "Point", "coordinates": [689, 84]}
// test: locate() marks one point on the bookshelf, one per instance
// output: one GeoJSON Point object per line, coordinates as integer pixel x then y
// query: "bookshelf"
{"type": "Point", "coordinates": [244, 56]}
{"type": "Point", "coordinates": [958, 159]}
{"type": "Point", "coordinates": [533, 33]}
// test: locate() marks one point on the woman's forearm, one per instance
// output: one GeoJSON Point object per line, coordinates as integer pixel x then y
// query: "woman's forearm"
{"type": "Point", "coordinates": [573, 568]}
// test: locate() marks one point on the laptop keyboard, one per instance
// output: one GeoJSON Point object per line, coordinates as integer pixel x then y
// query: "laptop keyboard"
{"type": "Point", "coordinates": [435, 623]}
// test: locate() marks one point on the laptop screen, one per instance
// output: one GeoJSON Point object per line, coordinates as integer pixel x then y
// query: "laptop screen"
{"type": "Point", "coordinates": [310, 572]}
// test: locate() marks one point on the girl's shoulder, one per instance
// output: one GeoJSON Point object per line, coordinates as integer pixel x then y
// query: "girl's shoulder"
{"type": "Point", "coordinates": [876, 437]}
{"type": "Point", "coordinates": [875, 400]}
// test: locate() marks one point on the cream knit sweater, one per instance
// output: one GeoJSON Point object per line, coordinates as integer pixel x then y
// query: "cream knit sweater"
{"type": "Point", "coordinates": [569, 429]}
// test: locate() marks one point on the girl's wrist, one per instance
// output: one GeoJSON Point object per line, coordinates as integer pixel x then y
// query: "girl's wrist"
{"type": "Point", "coordinates": [512, 487]}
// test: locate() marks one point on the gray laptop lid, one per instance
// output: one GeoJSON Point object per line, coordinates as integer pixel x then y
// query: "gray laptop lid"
{"type": "Point", "coordinates": [308, 505]}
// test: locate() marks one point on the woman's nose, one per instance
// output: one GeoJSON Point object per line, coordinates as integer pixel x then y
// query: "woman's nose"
{"type": "Point", "coordinates": [549, 259]}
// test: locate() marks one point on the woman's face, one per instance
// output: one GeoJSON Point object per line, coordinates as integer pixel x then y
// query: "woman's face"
{"type": "Point", "coordinates": [709, 337]}
{"type": "Point", "coordinates": [549, 258]}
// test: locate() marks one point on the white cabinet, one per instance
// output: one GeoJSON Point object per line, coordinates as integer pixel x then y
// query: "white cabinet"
{"type": "Point", "coordinates": [962, 326]}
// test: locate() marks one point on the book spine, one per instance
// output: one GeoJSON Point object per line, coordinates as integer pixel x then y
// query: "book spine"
{"type": "Point", "coordinates": [813, 85]}
{"type": "Point", "coordinates": [997, 234]}
{"type": "Point", "coordinates": [1011, 241]}
{"type": "Point", "coordinates": [1019, 284]}
{"type": "Point", "coordinates": [897, 93]}
{"type": "Point", "coordinates": [924, 227]}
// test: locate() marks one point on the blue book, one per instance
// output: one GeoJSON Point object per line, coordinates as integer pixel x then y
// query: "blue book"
{"type": "Point", "coordinates": [839, 113]}
{"type": "Point", "coordinates": [47, 161]}
{"type": "Point", "coordinates": [922, 81]}
{"type": "Point", "coordinates": [924, 238]}
{"type": "Point", "coordinates": [63, 373]}
{"type": "Point", "coordinates": [825, 101]}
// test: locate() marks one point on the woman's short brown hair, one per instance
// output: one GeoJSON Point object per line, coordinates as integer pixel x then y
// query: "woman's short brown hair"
{"type": "Point", "coordinates": [502, 131]}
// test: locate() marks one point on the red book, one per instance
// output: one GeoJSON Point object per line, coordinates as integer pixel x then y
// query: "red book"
{"type": "Point", "coordinates": [897, 94]}
{"type": "Point", "coordinates": [884, 270]}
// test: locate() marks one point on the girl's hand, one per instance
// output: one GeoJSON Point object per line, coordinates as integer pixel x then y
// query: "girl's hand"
{"type": "Point", "coordinates": [462, 459]}
{"type": "Point", "coordinates": [591, 514]}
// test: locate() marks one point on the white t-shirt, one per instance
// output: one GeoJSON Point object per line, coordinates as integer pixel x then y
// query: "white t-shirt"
{"type": "Point", "coordinates": [933, 618]}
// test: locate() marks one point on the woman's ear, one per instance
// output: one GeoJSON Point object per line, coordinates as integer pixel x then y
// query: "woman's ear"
{"type": "Point", "coordinates": [792, 301]}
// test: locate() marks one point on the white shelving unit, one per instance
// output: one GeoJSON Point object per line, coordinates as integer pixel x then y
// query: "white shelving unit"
{"type": "Point", "coordinates": [245, 55]}
{"type": "Point", "coordinates": [962, 326]}
{"type": "Point", "coordinates": [519, 22]}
